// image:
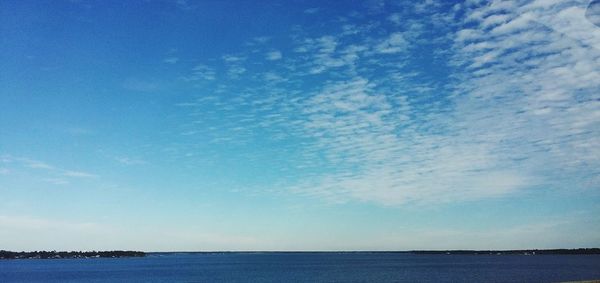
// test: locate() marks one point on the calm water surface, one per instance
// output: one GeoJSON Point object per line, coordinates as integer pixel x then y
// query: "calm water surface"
{"type": "Point", "coordinates": [306, 267]}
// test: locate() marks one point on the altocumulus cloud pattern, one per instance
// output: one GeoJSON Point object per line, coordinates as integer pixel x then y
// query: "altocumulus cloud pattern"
{"type": "Point", "coordinates": [508, 100]}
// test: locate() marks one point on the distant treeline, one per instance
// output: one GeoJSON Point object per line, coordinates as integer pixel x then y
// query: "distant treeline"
{"type": "Point", "coordinates": [55, 254]}
{"type": "Point", "coordinates": [516, 252]}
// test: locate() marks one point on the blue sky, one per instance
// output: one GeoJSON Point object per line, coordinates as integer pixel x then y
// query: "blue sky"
{"type": "Point", "coordinates": [299, 125]}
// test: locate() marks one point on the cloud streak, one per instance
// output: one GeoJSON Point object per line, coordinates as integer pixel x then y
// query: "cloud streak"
{"type": "Point", "coordinates": [49, 173]}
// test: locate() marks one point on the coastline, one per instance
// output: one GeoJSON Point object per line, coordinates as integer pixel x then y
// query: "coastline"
{"type": "Point", "coordinates": [125, 254]}
{"type": "Point", "coordinates": [68, 255]}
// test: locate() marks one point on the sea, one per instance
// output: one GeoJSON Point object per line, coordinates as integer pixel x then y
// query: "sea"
{"type": "Point", "coordinates": [306, 267]}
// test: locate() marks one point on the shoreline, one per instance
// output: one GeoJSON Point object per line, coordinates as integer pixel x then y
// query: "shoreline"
{"type": "Point", "coordinates": [128, 254]}
{"type": "Point", "coordinates": [68, 255]}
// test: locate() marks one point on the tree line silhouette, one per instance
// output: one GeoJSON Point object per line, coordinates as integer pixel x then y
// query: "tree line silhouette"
{"type": "Point", "coordinates": [73, 254]}
{"type": "Point", "coordinates": [580, 251]}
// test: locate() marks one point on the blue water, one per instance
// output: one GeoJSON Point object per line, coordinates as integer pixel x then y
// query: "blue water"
{"type": "Point", "coordinates": [306, 267]}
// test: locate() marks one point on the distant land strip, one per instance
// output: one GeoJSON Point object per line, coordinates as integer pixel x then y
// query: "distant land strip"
{"type": "Point", "coordinates": [73, 254]}
{"type": "Point", "coordinates": [119, 254]}
{"type": "Point", "coordinates": [581, 251]}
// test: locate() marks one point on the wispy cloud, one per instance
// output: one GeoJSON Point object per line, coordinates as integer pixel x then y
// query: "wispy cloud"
{"type": "Point", "coordinates": [78, 174]}
{"type": "Point", "coordinates": [201, 72]}
{"type": "Point", "coordinates": [534, 68]}
{"type": "Point", "coordinates": [130, 161]}
{"type": "Point", "coordinates": [35, 164]}
{"type": "Point", "coordinates": [312, 11]}
{"type": "Point", "coordinates": [395, 43]}
{"type": "Point", "coordinates": [50, 173]}
{"type": "Point", "coordinates": [273, 55]}
{"type": "Point", "coordinates": [376, 127]}
{"type": "Point", "coordinates": [171, 60]}
{"type": "Point", "coordinates": [56, 181]}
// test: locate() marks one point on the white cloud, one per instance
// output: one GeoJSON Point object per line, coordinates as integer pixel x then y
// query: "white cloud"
{"type": "Point", "coordinates": [50, 173]}
{"type": "Point", "coordinates": [311, 11]}
{"type": "Point", "coordinates": [129, 161]}
{"type": "Point", "coordinates": [171, 60]}
{"type": "Point", "coordinates": [233, 58]}
{"type": "Point", "coordinates": [201, 72]}
{"type": "Point", "coordinates": [552, 85]}
{"type": "Point", "coordinates": [592, 13]}
{"type": "Point", "coordinates": [377, 130]}
{"type": "Point", "coordinates": [273, 77]}
{"type": "Point", "coordinates": [78, 174]}
{"type": "Point", "coordinates": [273, 55]}
{"type": "Point", "coordinates": [56, 181]}
{"type": "Point", "coordinates": [259, 40]}
{"type": "Point", "coordinates": [394, 44]}
{"type": "Point", "coordinates": [37, 164]}
{"type": "Point", "coordinates": [236, 71]}
{"type": "Point", "coordinates": [395, 18]}
{"type": "Point", "coordinates": [357, 129]}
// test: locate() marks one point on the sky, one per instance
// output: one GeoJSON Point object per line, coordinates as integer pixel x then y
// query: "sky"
{"type": "Point", "coordinates": [299, 125]}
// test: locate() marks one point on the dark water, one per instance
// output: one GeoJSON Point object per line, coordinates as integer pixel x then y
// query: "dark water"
{"type": "Point", "coordinates": [306, 267]}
